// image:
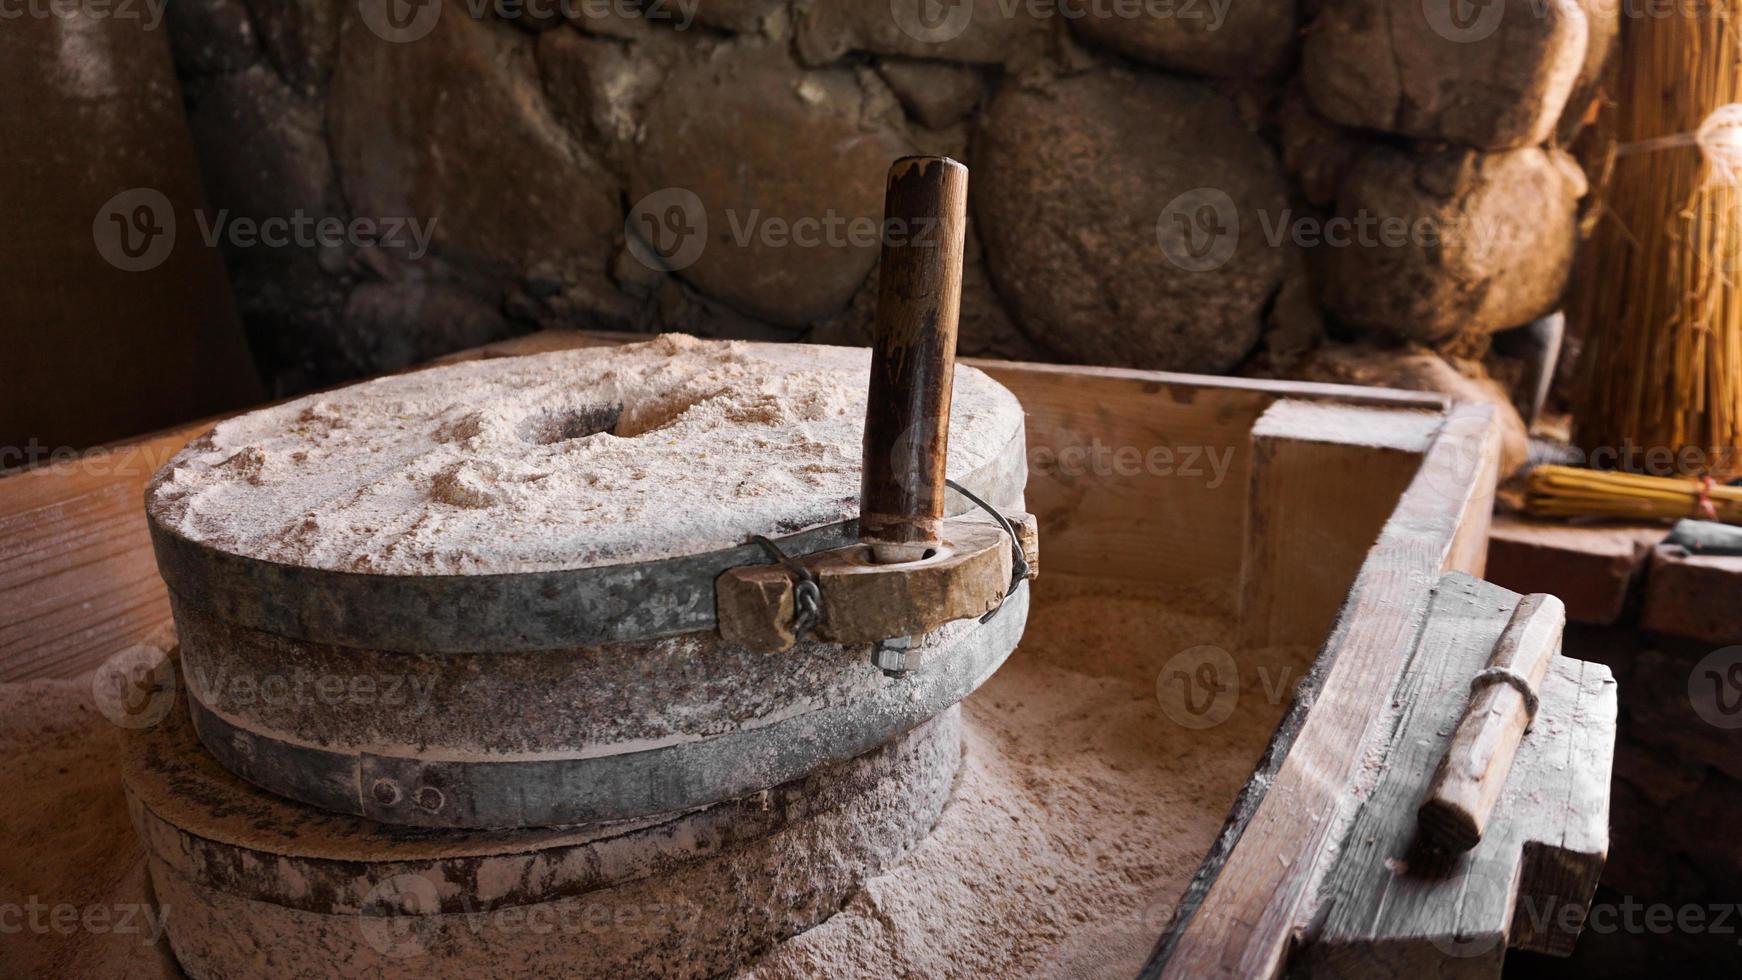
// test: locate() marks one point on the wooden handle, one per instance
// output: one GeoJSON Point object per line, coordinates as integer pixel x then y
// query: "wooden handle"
{"type": "Point", "coordinates": [1461, 796]}
{"type": "Point", "coordinates": [913, 358]}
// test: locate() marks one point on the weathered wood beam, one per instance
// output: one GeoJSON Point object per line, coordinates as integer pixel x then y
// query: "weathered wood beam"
{"type": "Point", "coordinates": [1393, 908]}
{"type": "Point", "coordinates": [1325, 477]}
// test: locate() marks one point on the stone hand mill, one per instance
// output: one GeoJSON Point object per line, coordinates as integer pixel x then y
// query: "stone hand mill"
{"type": "Point", "coordinates": [631, 640]}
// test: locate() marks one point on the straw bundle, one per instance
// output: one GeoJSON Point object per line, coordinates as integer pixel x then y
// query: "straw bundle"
{"type": "Point", "coordinates": [1657, 293]}
{"type": "Point", "coordinates": [1563, 491]}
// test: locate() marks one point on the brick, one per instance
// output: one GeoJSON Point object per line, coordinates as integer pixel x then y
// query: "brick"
{"type": "Point", "coordinates": [1591, 567]}
{"type": "Point", "coordinates": [1696, 596]}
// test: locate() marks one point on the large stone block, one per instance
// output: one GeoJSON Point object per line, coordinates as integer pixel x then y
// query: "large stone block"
{"type": "Point", "coordinates": [762, 184]}
{"type": "Point", "coordinates": [1122, 220]}
{"type": "Point", "coordinates": [300, 38]}
{"type": "Point", "coordinates": [1491, 75]}
{"type": "Point", "coordinates": [599, 86]}
{"type": "Point", "coordinates": [1448, 241]}
{"type": "Point", "coordinates": [937, 94]}
{"type": "Point", "coordinates": [452, 127]}
{"type": "Point", "coordinates": [263, 150]}
{"type": "Point", "coordinates": [987, 31]}
{"type": "Point", "coordinates": [209, 36]}
{"type": "Point", "coordinates": [1228, 39]}
{"type": "Point", "coordinates": [740, 16]}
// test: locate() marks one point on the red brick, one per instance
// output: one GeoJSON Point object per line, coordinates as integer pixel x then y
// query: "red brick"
{"type": "Point", "coordinates": [1590, 567]}
{"type": "Point", "coordinates": [1696, 596]}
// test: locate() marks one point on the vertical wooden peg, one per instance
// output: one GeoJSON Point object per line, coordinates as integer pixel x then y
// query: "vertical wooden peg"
{"type": "Point", "coordinates": [913, 358]}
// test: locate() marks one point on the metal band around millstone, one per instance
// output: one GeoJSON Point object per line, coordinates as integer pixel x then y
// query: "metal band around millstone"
{"type": "Point", "coordinates": [555, 792]}
{"type": "Point", "coordinates": [515, 612]}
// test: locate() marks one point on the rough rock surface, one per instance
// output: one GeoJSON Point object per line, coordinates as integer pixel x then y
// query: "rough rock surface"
{"type": "Point", "coordinates": [937, 94]}
{"type": "Point", "coordinates": [1236, 39]}
{"type": "Point", "coordinates": [1448, 241]}
{"type": "Point", "coordinates": [791, 222]}
{"type": "Point", "coordinates": [741, 16]}
{"type": "Point", "coordinates": [210, 35]}
{"type": "Point", "coordinates": [1498, 80]}
{"type": "Point", "coordinates": [1603, 22]}
{"type": "Point", "coordinates": [283, 169]}
{"type": "Point", "coordinates": [1121, 219]}
{"type": "Point", "coordinates": [597, 86]}
{"type": "Point", "coordinates": [1418, 369]}
{"type": "Point", "coordinates": [448, 316]}
{"type": "Point", "coordinates": [301, 38]}
{"type": "Point", "coordinates": [563, 460]}
{"type": "Point", "coordinates": [984, 31]}
{"type": "Point", "coordinates": [440, 128]}
{"type": "Point", "coordinates": [1317, 153]}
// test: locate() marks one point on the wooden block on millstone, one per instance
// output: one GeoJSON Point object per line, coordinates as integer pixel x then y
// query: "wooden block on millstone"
{"type": "Point", "coordinates": [1388, 907]}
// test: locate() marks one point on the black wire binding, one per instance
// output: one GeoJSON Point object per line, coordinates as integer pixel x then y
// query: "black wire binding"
{"type": "Point", "coordinates": [1019, 560]}
{"type": "Point", "coordinates": [807, 594]}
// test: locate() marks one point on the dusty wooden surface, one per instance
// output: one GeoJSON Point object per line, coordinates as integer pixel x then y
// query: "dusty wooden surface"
{"type": "Point", "coordinates": [1392, 910]}
{"type": "Point", "coordinates": [1324, 480]}
{"type": "Point", "coordinates": [1473, 770]}
{"type": "Point", "coordinates": [1256, 886]}
{"type": "Point", "coordinates": [77, 577]}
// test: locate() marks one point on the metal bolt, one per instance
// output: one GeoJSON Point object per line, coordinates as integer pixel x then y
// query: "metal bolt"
{"type": "Point", "coordinates": [386, 792]}
{"type": "Point", "coordinates": [890, 656]}
{"type": "Point", "coordinates": [430, 798]}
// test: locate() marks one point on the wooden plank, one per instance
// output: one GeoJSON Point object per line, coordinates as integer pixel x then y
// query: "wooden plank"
{"type": "Point", "coordinates": [77, 577]}
{"type": "Point", "coordinates": [1324, 477]}
{"type": "Point", "coordinates": [1255, 888]}
{"type": "Point", "coordinates": [1393, 910]}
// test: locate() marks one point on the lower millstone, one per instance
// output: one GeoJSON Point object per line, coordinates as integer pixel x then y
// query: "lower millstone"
{"type": "Point", "coordinates": [560, 737]}
{"type": "Point", "coordinates": [266, 888]}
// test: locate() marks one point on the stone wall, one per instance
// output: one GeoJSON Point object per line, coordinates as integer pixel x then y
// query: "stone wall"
{"type": "Point", "coordinates": [1257, 186]}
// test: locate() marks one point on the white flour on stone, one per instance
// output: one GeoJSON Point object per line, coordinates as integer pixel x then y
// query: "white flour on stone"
{"type": "Point", "coordinates": [528, 464]}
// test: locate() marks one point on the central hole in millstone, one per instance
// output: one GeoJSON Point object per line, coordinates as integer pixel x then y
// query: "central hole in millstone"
{"type": "Point", "coordinates": [550, 428]}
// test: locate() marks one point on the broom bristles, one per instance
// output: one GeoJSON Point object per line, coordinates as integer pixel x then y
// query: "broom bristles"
{"type": "Point", "coordinates": [1566, 491]}
{"type": "Point", "coordinates": [1657, 294]}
